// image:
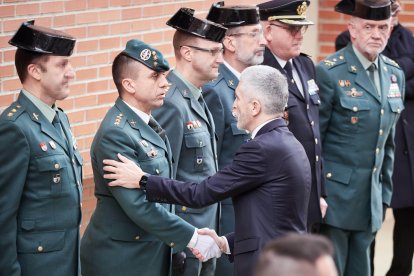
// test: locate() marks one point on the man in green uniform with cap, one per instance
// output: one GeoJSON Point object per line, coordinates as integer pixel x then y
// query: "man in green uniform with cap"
{"type": "Point", "coordinates": [361, 99]}
{"type": "Point", "coordinates": [127, 235]}
{"type": "Point", "coordinates": [41, 169]}
{"type": "Point", "coordinates": [188, 122]}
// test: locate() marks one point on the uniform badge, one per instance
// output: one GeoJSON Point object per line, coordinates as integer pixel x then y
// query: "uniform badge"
{"type": "Point", "coordinates": [145, 54]}
{"type": "Point", "coordinates": [199, 160]}
{"type": "Point", "coordinates": [354, 120]}
{"type": "Point", "coordinates": [353, 68]}
{"type": "Point", "coordinates": [36, 116]}
{"type": "Point", "coordinates": [231, 82]}
{"type": "Point", "coordinates": [385, 69]}
{"type": "Point", "coordinates": [132, 122]}
{"type": "Point", "coordinates": [52, 144]}
{"type": "Point", "coordinates": [394, 91]}
{"type": "Point", "coordinates": [43, 146]}
{"type": "Point", "coordinates": [354, 93]}
{"type": "Point", "coordinates": [152, 153]}
{"type": "Point", "coordinates": [144, 143]}
{"type": "Point", "coordinates": [341, 83]}
{"type": "Point", "coordinates": [393, 78]}
{"type": "Point", "coordinates": [198, 123]}
{"type": "Point", "coordinates": [347, 83]}
{"type": "Point", "coordinates": [56, 178]}
{"type": "Point", "coordinates": [313, 87]}
{"type": "Point", "coordinates": [189, 125]}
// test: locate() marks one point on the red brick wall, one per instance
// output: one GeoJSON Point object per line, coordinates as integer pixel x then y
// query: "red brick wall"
{"type": "Point", "coordinates": [331, 24]}
{"type": "Point", "coordinates": [102, 28]}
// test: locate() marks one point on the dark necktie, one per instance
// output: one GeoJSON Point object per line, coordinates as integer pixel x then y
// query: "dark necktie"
{"type": "Point", "coordinates": [291, 82]}
{"type": "Point", "coordinates": [371, 73]}
{"type": "Point", "coordinates": [57, 124]}
{"type": "Point", "coordinates": [157, 128]}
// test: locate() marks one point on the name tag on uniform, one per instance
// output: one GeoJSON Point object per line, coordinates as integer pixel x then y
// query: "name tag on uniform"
{"type": "Point", "coordinates": [312, 87]}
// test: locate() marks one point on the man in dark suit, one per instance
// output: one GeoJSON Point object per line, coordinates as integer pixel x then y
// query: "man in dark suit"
{"type": "Point", "coordinates": [285, 24]}
{"type": "Point", "coordinates": [41, 169]}
{"type": "Point", "coordinates": [269, 178]}
{"type": "Point", "coordinates": [361, 100]}
{"type": "Point", "coordinates": [243, 47]}
{"type": "Point", "coordinates": [188, 122]}
{"type": "Point", "coordinates": [125, 226]}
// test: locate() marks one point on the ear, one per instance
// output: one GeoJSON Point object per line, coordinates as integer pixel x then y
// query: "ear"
{"type": "Point", "coordinates": [256, 107]}
{"type": "Point", "coordinates": [267, 32]}
{"type": "Point", "coordinates": [34, 71]}
{"type": "Point", "coordinates": [186, 53]}
{"type": "Point", "coordinates": [228, 44]}
{"type": "Point", "coordinates": [129, 85]}
{"type": "Point", "coordinates": [352, 30]}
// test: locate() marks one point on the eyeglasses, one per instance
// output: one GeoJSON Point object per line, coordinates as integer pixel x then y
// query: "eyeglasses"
{"type": "Point", "coordinates": [293, 30]}
{"type": "Point", "coordinates": [214, 51]}
{"type": "Point", "coordinates": [254, 35]}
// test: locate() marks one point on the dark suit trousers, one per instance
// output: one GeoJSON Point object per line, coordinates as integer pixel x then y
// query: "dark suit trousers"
{"type": "Point", "coordinates": [403, 242]}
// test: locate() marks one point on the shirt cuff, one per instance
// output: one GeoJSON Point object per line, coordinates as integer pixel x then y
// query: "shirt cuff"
{"type": "Point", "coordinates": [193, 240]}
{"type": "Point", "coordinates": [227, 246]}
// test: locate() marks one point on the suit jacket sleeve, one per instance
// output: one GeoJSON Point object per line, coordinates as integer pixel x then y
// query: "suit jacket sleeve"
{"type": "Point", "coordinates": [151, 217]}
{"type": "Point", "coordinates": [14, 160]}
{"type": "Point", "coordinates": [247, 172]}
{"type": "Point", "coordinates": [171, 119]}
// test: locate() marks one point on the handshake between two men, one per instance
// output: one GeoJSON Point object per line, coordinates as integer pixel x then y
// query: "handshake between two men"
{"type": "Point", "coordinates": [129, 175]}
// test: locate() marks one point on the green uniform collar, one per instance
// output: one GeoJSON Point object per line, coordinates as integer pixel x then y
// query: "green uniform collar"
{"type": "Point", "coordinates": [46, 110]}
{"type": "Point", "coordinates": [195, 91]}
{"type": "Point", "coordinates": [364, 61]}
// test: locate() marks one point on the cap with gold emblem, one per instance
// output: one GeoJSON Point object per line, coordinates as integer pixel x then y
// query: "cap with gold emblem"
{"type": "Point", "coordinates": [233, 16]}
{"type": "Point", "coordinates": [366, 9]}
{"type": "Point", "coordinates": [286, 11]}
{"type": "Point", "coordinates": [43, 40]}
{"type": "Point", "coordinates": [184, 20]}
{"type": "Point", "coordinates": [147, 55]}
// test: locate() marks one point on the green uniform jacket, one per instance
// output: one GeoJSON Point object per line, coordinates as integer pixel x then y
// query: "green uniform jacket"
{"type": "Point", "coordinates": [357, 131]}
{"type": "Point", "coordinates": [40, 194]}
{"type": "Point", "coordinates": [127, 235]}
{"type": "Point", "coordinates": [193, 145]}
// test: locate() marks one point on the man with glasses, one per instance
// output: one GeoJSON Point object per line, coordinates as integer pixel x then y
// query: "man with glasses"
{"type": "Point", "coordinates": [285, 24]}
{"type": "Point", "coordinates": [361, 100]}
{"type": "Point", "coordinates": [243, 47]}
{"type": "Point", "coordinates": [188, 122]}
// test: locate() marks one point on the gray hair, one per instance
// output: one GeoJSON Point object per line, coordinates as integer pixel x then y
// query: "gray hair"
{"type": "Point", "coordinates": [267, 85]}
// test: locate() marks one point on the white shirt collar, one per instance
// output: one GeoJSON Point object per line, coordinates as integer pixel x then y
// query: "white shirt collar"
{"type": "Point", "coordinates": [256, 130]}
{"type": "Point", "coordinates": [234, 71]}
{"type": "Point", "coordinates": [144, 116]}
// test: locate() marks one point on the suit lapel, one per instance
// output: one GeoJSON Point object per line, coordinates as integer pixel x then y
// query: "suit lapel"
{"type": "Point", "coordinates": [45, 126]}
{"type": "Point", "coordinates": [303, 79]}
{"type": "Point", "coordinates": [362, 79]}
{"type": "Point", "coordinates": [270, 60]}
{"type": "Point", "coordinates": [145, 131]}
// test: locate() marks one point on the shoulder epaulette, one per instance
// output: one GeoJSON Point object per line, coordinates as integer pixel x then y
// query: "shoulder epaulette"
{"type": "Point", "coordinates": [13, 111]}
{"type": "Point", "coordinates": [390, 61]}
{"type": "Point", "coordinates": [333, 61]}
{"type": "Point", "coordinates": [214, 82]}
{"type": "Point", "coordinates": [119, 120]}
{"type": "Point", "coordinates": [305, 55]}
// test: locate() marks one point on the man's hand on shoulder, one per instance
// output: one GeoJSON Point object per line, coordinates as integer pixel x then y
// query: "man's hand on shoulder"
{"type": "Point", "coordinates": [124, 173]}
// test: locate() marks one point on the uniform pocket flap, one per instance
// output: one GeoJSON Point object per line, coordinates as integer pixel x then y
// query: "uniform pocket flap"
{"type": "Point", "coordinates": [354, 104]}
{"type": "Point", "coordinates": [315, 99]}
{"type": "Point", "coordinates": [396, 105]}
{"type": "Point", "coordinates": [28, 225]}
{"type": "Point", "coordinates": [246, 245]}
{"type": "Point", "coordinates": [51, 163]}
{"type": "Point", "coordinates": [128, 232]}
{"type": "Point", "coordinates": [237, 131]}
{"type": "Point", "coordinates": [337, 172]}
{"type": "Point", "coordinates": [40, 242]}
{"type": "Point", "coordinates": [196, 140]}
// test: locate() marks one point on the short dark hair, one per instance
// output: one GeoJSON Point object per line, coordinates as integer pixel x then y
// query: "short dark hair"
{"type": "Point", "coordinates": [121, 69]}
{"type": "Point", "coordinates": [24, 58]}
{"type": "Point", "coordinates": [302, 248]}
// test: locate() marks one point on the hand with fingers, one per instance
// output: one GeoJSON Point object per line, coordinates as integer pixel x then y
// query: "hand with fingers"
{"type": "Point", "coordinates": [124, 173]}
{"type": "Point", "coordinates": [212, 246]}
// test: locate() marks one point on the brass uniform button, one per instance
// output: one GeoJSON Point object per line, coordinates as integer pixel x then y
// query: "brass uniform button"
{"type": "Point", "coordinates": [398, 111]}
{"type": "Point", "coordinates": [374, 170]}
{"type": "Point", "coordinates": [382, 111]}
{"type": "Point", "coordinates": [172, 244]}
{"type": "Point", "coordinates": [355, 109]}
{"type": "Point", "coordinates": [377, 150]}
{"type": "Point", "coordinates": [316, 141]}
{"type": "Point", "coordinates": [57, 166]}
{"type": "Point", "coordinates": [381, 132]}
{"type": "Point", "coordinates": [137, 237]}
{"type": "Point", "coordinates": [40, 248]}
{"type": "Point", "coordinates": [157, 171]}
{"type": "Point", "coordinates": [328, 175]}
{"type": "Point", "coordinates": [317, 158]}
{"type": "Point", "coordinates": [183, 208]}
{"type": "Point", "coordinates": [312, 123]}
